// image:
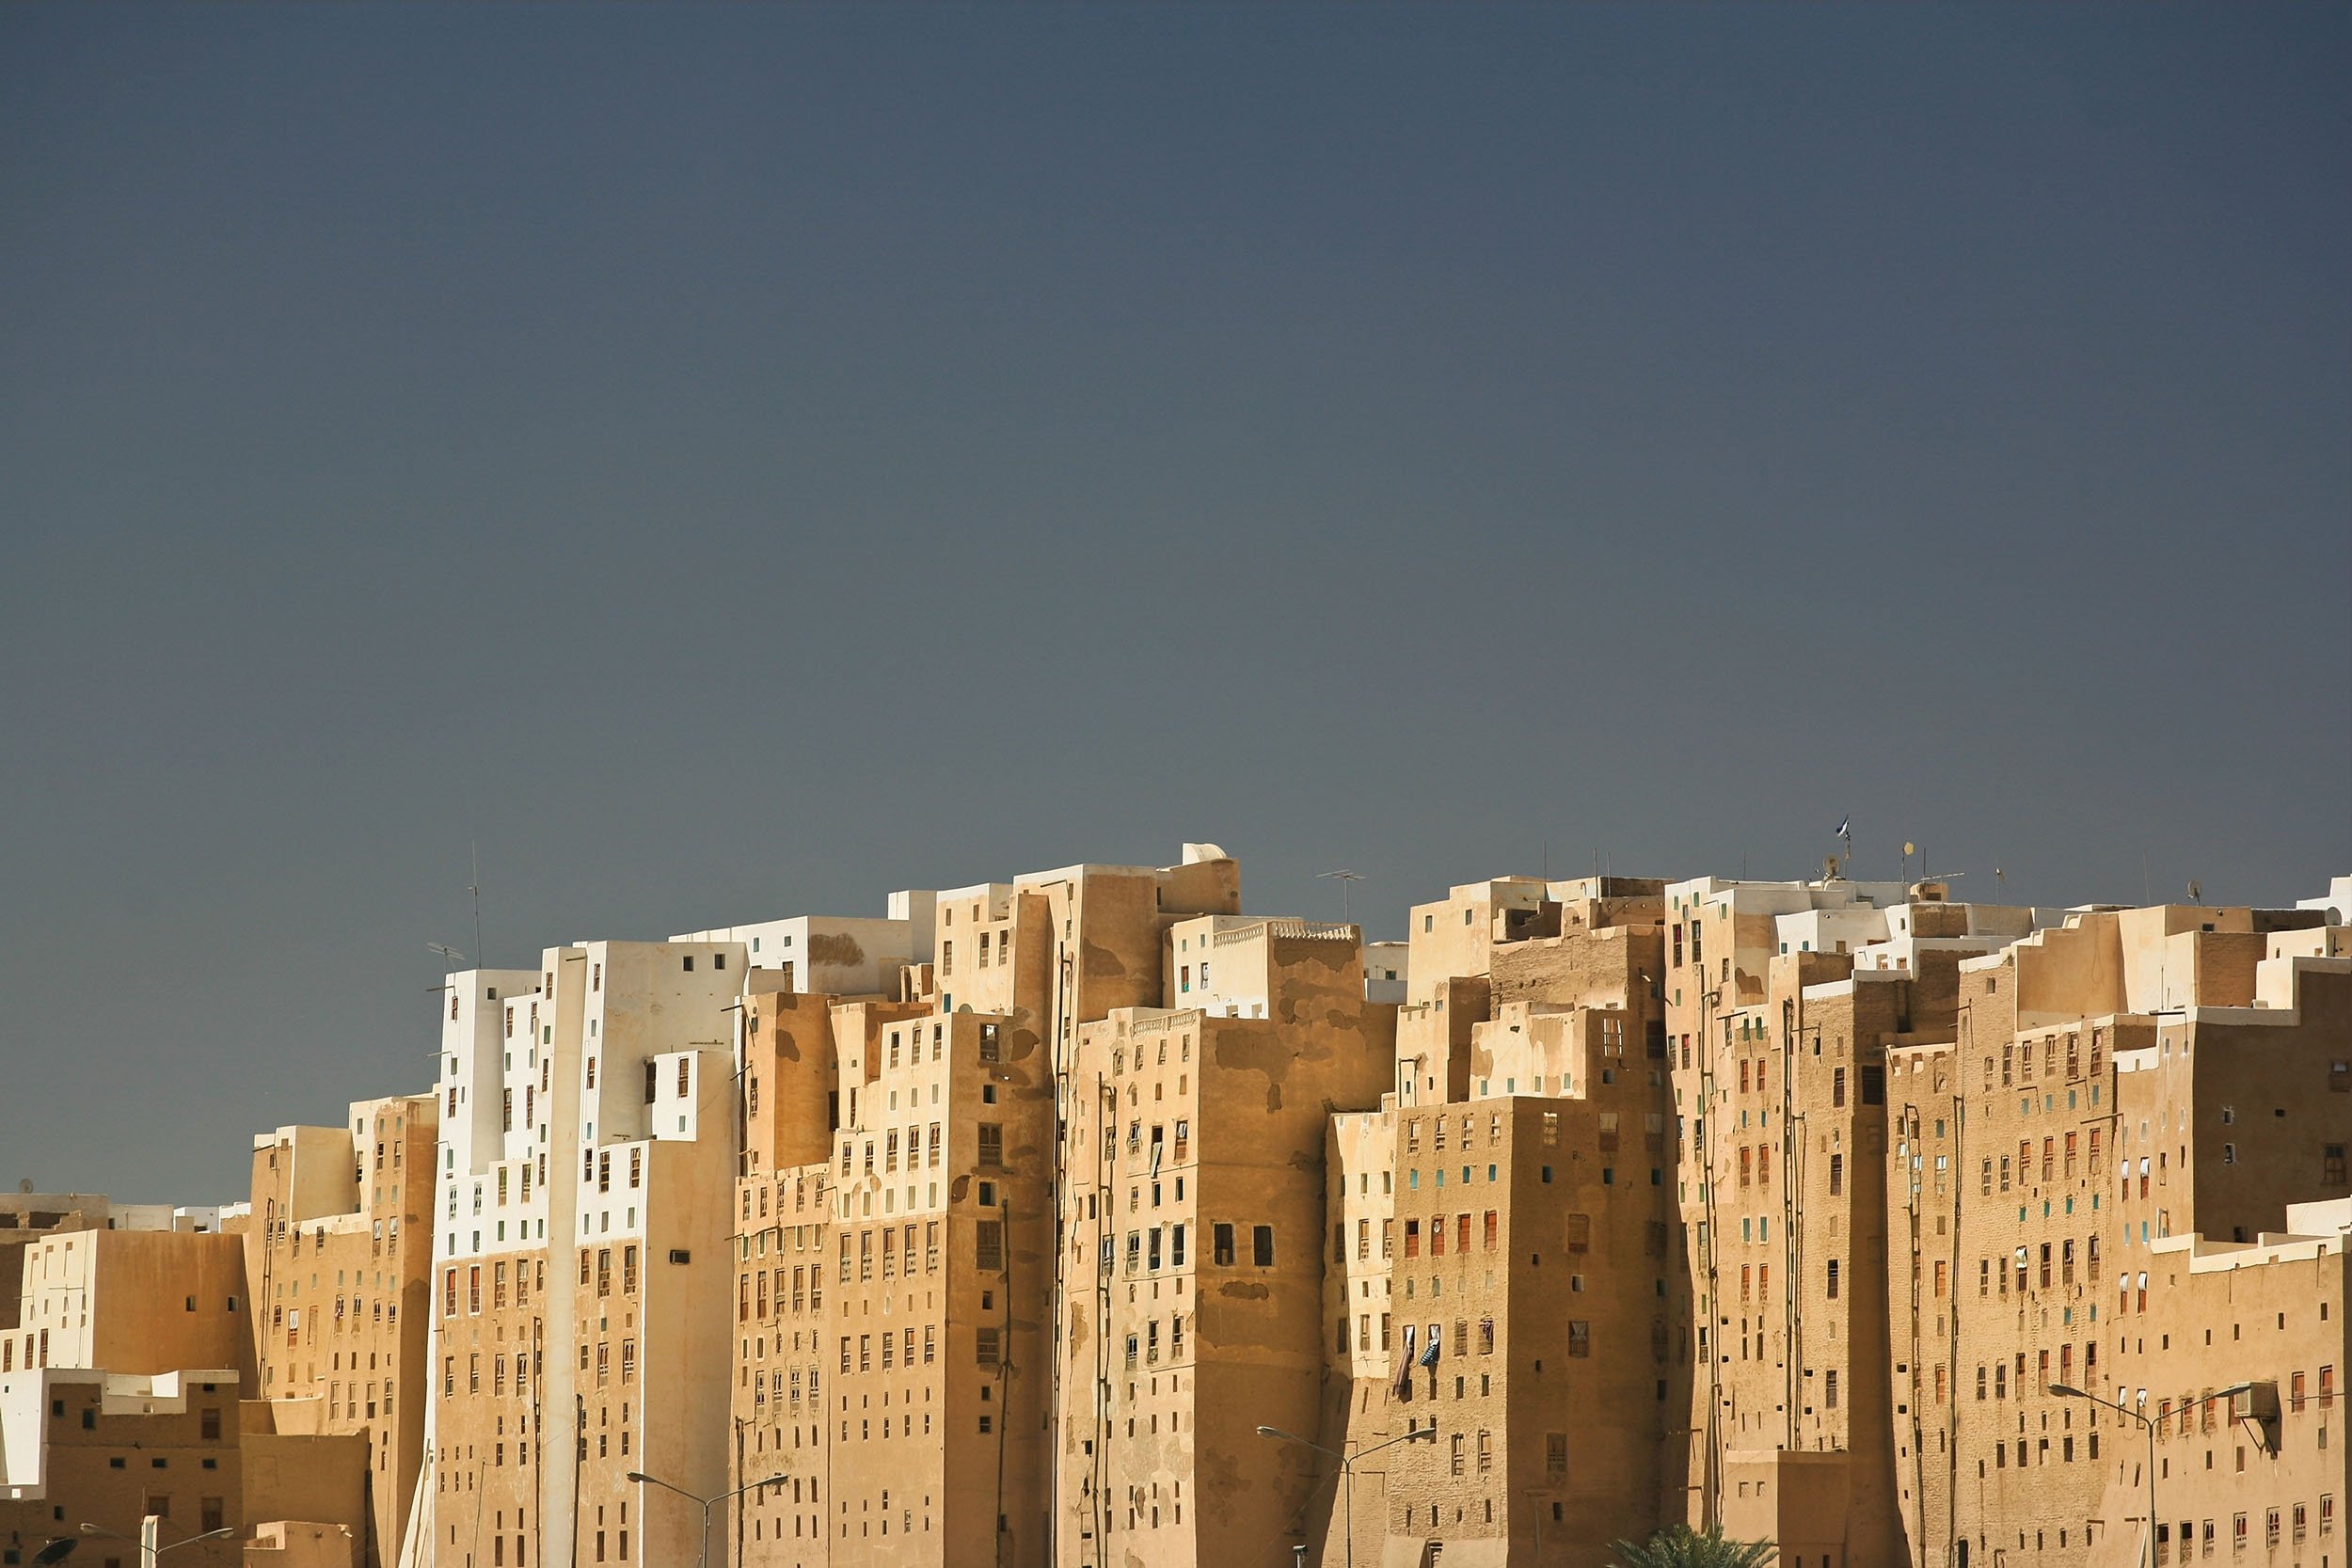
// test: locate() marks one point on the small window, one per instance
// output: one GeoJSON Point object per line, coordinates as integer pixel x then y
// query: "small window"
{"type": "Point", "coordinates": [1262, 1246]}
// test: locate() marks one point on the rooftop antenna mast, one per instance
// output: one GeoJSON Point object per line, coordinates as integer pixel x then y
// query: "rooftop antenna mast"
{"type": "Point", "coordinates": [1343, 878]}
{"type": "Point", "coordinates": [474, 887]}
{"type": "Point", "coordinates": [452, 960]}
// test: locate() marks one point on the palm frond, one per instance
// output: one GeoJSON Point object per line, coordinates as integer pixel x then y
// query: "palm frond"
{"type": "Point", "coordinates": [1680, 1547]}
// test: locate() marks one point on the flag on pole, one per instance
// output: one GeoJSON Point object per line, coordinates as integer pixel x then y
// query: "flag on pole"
{"type": "Point", "coordinates": [1844, 823]}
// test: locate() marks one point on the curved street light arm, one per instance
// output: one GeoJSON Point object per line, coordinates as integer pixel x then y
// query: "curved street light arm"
{"type": "Point", "coordinates": [208, 1535]}
{"type": "Point", "coordinates": [776, 1479]}
{"type": "Point", "coordinates": [1427, 1434]}
{"type": "Point", "coordinates": [2141, 1417]}
{"type": "Point", "coordinates": [1279, 1434]}
{"type": "Point", "coordinates": [656, 1480]}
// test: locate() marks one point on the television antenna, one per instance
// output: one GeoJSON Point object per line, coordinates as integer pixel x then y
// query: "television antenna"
{"type": "Point", "coordinates": [449, 956]}
{"type": "Point", "coordinates": [1344, 878]}
{"type": "Point", "coordinates": [474, 887]}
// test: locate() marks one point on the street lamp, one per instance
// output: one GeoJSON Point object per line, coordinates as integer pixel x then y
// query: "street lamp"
{"type": "Point", "coordinates": [702, 1555]}
{"type": "Point", "coordinates": [1347, 1471]}
{"type": "Point", "coordinates": [2147, 1422]}
{"type": "Point", "coordinates": [149, 1542]}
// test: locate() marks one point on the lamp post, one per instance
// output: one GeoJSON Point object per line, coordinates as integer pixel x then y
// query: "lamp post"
{"type": "Point", "coordinates": [150, 1538]}
{"type": "Point", "coordinates": [702, 1554]}
{"type": "Point", "coordinates": [1347, 1471]}
{"type": "Point", "coordinates": [2148, 1424]}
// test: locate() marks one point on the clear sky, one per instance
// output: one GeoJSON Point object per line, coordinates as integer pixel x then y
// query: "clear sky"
{"type": "Point", "coordinates": [736, 462]}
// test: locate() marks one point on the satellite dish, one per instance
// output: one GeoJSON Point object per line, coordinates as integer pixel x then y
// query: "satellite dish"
{"type": "Point", "coordinates": [2196, 892]}
{"type": "Point", "coordinates": [1909, 847]}
{"type": "Point", "coordinates": [2000, 875]}
{"type": "Point", "coordinates": [56, 1551]}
